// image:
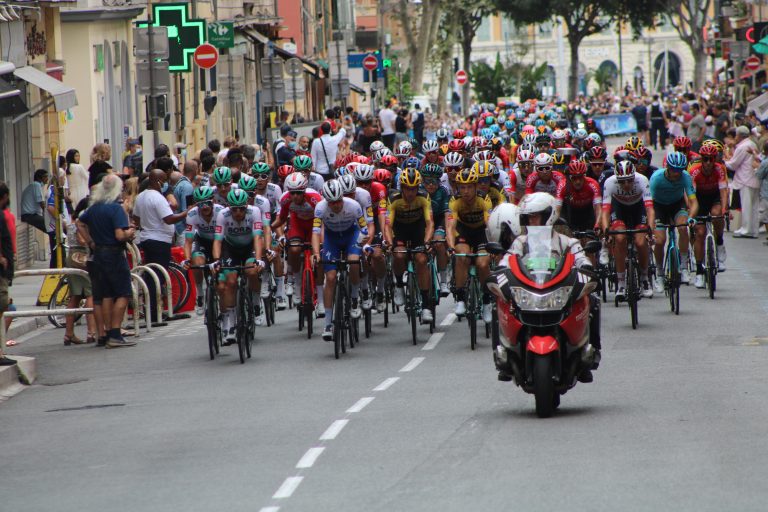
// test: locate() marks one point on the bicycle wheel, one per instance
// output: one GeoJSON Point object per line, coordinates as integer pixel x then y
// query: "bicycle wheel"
{"type": "Point", "coordinates": [412, 304]}
{"type": "Point", "coordinates": [307, 305]}
{"type": "Point", "coordinates": [212, 322]}
{"type": "Point", "coordinates": [242, 318]}
{"type": "Point", "coordinates": [633, 291]}
{"type": "Point", "coordinates": [251, 322]}
{"type": "Point", "coordinates": [58, 300]}
{"type": "Point", "coordinates": [180, 288]}
{"type": "Point", "coordinates": [367, 322]}
{"type": "Point", "coordinates": [472, 311]}
{"type": "Point", "coordinates": [338, 320]}
{"type": "Point", "coordinates": [387, 299]}
{"type": "Point", "coordinates": [673, 277]}
{"type": "Point", "coordinates": [711, 274]}
{"type": "Point", "coordinates": [603, 284]}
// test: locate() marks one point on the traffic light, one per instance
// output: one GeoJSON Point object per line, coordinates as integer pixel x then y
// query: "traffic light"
{"type": "Point", "coordinates": [387, 63]}
{"type": "Point", "coordinates": [209, 104]}
{"type": "Point", "coordinates": [752, 33]}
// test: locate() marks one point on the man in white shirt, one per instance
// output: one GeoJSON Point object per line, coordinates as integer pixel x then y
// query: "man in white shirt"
{"type": "Point", "coordinates": [387, 118]}
{"type": "Point", "coordinates": [324, 150]}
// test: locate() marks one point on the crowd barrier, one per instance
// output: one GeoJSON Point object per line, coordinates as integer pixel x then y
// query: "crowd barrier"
{"type": "Point", "coordinates": [616, 124]}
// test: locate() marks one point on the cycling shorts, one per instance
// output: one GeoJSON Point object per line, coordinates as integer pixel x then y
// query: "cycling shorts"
{"type": "Point", "coordinates": [202, 247]}
{"type": "Point", "coordinates": [335, 242]}
{"type": "Point", "coordinates": [409, 234]}
{"type": "Point", "coordinates": [667, 213]}
{"type": "Point", "coordinates": [440, 222]}
{"type": "Point", "coordinates": [628, 216]}
{"type": "Point", "coordinates": [301, 229]}
{"type": "Point", "coordinates": [582, 219]}
{"type": "Point", "coordinates": [707, 201]}
{"type": "Point", "coordinates": [474, 237]}
{"type": "Point", "coordinates": [234, 256]}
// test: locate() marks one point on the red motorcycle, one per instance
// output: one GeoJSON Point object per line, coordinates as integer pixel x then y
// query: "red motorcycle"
{"type": "Point", "coordinates": [545, 316]}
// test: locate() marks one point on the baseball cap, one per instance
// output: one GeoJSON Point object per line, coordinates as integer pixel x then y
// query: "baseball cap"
{"type": "Point", "coordinates": [742, 130]}
{"type": "Point", "coordinates": [285, 129]}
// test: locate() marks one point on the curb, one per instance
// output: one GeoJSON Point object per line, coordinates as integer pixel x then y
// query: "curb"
{"type": "Point", "coordinates": [14, 379]}
{"type": "Point", "coordinates": [22, 326]}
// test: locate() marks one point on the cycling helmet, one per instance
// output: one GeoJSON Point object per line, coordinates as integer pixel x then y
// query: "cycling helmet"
{"type": "Point", "coordinates": [495, 129]}
{"type": "Point", "coordinates": [222, 175]}
{"type": "Point", "coordinates": [501, 119]}
{"type": "Point", "coordinates": [588, 144]}
{"type": "Point", "coordinates": [486, 133]}
{"type": "Point", "coordinates": [530, 139]}
{"type": "Point", "coordinates": [344, 169]}
{"type": "Point", "coordinates": [682, 144]}
{"type": "Point", "coordinates": [543, 139]}
{"type": "Point", "coordinates": [202, 194]}
{"type": "Point", "coordinates": [433, 171]}
{"type": "Point", "coordinates": [625, 171]}
{"type": "Point", "coordinates": [237, 197]}
{"type": "Point", "coordinates": [482, 169]}
{"type": "Point", "coordinates": [459, 133]}
{"type": "Point", "coordinates": [595, 137]}
{"type": "Point", "coordinates": [621, 155]}
{"type": "Point", "coordinates": [388, 160]}
{"type": "Point", "coordinates": [302, 163]}
{"type": "Point", "coordinates": [284, 171]}
{"type": "Point", "coordinates": [496, 143]}
{"type": "Point", "coordinates": [483, 156]}
{"type": "Point", "coordinates": [376, 145]}
{"type": "Point", "coordinates": [410, 177]}
{"type": "Point", "coordinates": [413, 142]}
{"type": "Point", "coordinates": [579, 134]}
{"type": "Point", "coordinates": [348, 184]}
{"type": "Point", "coordinates": [364, 172]}
{"type": "Point", "coordinates": [453, 160]}
{"type": "Point", "coordinates": [247, 183]}
{"type": "Point", "coordinates": [296, 182]}
{"type": "Point", "coordinates": [714, 142]}
{"type": "Point", "coordinates": [430, 146]}
{"type": "Point", "coordinates": [456, 145]}
{"type": "Point", "coordinates": [528, 129]}
{"type": "Point", "coordinates": [332, 191]}
{"type": "Point", "coordinates": [412, 162]}
{"type": "Point", "coordinates": [538, 203]}
{"type": "Point", "coordinates": [377, 156]}
{"type": "Point", "coordinates": [362, 159]}
{"type": "Point", "coordinates": [504, 225]}
{"type": "Point", "coordinates": [642, 153]}
{"type": "Point", "coordinates": [476, 143]}
{"type": "Point", "coordinates": [525, 155]}
{"type": "Point", "coordinates": [677, 160]}
{"type": "Point", "coordinates": [442, 134]}
{"type": "Point", "coordinates": [577, 168]}
{"type": "Point", "coordinates": [382, 176]}
{"type": "Point", "coordinates": [558, 159]}
{"type": "Point", "coordinates": [558, 135]}
{"type": "Point", "coordinates": [597, 154]}
{"type": "Point", "coordinates": [708, 150]}
{"type": "Point", "coordinates": [543, 160]}
{"type": "Point", "coordinates": [509, 125]}
{"type": "Point", "coordinates": [526, 147]}
{"type": "Point", "coordinates": [260, 168]}
{"type": "Point", "coordinates": [466, 176]}
{"type": "Point", "coordinates": [489, 120]}
{"type": "Point", "coordinates": [404, 149]}
{"type": "Point", "coordinates": [633, 143]}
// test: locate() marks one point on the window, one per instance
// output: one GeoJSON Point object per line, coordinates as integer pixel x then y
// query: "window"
{"type": "Point", "coordinates": [545, 29]}
{"type": "Point", "coordinates": [483, 34]}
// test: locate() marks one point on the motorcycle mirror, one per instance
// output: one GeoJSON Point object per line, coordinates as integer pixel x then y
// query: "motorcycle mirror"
{"type": "Point", "coordinates": [494, 248]}
{"type": "Point", "coordinates": [593, 247]}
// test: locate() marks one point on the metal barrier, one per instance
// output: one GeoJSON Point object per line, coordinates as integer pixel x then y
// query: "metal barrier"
{"type": "Point", "coordinates": [147, 311]}
{"type": "Point", "coordinates": [158, 292]}
{"type": "Point", "coordinates": [168, 291]}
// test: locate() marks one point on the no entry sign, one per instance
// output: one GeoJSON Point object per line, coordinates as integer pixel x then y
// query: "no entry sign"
{"type": "Point", "coordinates": [753, 63]}
{"type": "Point", "coordinates": [370, 62]}
{"type": "Point", "coordinates": [206, 56]}
{"type": "Point", "coordinates": [461, 77]}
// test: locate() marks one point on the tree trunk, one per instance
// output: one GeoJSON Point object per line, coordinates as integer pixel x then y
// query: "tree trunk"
{"type": "Point", "coordinates": [699, 68]}
{"type": "Point", "coordinates": [466, 54]}
{"type": "Point", "coordinates": [573, 77]}
{"type": "Point", "coordinates": [430, 18]}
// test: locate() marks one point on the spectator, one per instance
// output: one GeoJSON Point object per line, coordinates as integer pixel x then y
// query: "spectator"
{"type": "Point", "coordinates": [325, 148]}
{"type": "Point", "coordinates": [134, 162]}
{"type": "Point", "coordinates": [130, 192]}
{"type": "Point", "coordinates": [303, 148]}
{"type": "Point", "coordinates": [96, 169]}
{"type": "Point", "coordinates": [387, 119]}
{"type": "Point", "coordinates": [280, 141]}
{"type": "Point", "coordinates": [183, 188]}
{"type": "Point", "coordinates": [722, 120]}
{"type": "Point", "coordinates": [104, 228]}
{"type": "Point", "coordinates": [696, 127]}
{"type": "Point", "coordinates": [56, 238]}
{"type": "Point", "coordinates": [154, 216]}
{"type": "Point", "coordinates": [79, 287]}
{"type": "Point", "coordinates": [287, 151]}
{"type": "Point", "coordinates": [401, 126]}
{"type": "Point", "coordinates": [229, 143]}
{"type": "Point", "coordinates": [6, 263]}
{"type": "Point", "coordinates": [101, 152]}
{"type": "Point", "coordinates": [417, 123]}
{"type": "Point", "coordinates": [214, 146]}
{"type": "Point", "coordinates": [658, 117]}
{"type": "Point", "coordinates": [746, 182]}
{"type": "Point", "coordinates": [33, 202]}
{"type": "Point", "coordinates": [78, 177]}
{"type": "Point", "coordinates": [762, 176]}
{"type": "Point", "coordinates": [640, 113]}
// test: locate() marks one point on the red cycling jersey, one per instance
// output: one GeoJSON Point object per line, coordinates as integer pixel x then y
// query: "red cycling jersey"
{"type": "Point", "coordinates": [589, 194]}
{"type": "Point", "coordinates": [302, 215]}
{"type": "Point", "coordinates": [378, 192]}
{"type": "Point", "coordinates": [710, 183]}
{"type": "Point", "coordinates": [555, 187]}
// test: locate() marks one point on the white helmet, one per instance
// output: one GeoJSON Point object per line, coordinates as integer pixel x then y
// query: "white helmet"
{"type": "Point", "coordinates": [430, 146]}
{"type": "Point", "coordinates": [542, 160]}
{"type": "Point", "coordinates": [558, 135]}
{"type": "Point", "coordinates": [530, 139]}
{"type": "Point", "coordinates": [504, 225]}
{"type": "Point", "coordinates": [453, 160]}
{"type": "Point", "coordinates": [525, 155]}
{"type": "Point", "coordinates": [404, 149]}
{"type": "Point", "coordinates": [381, 153]}
{"type": "Point", "coordinates": [332, 191]}
{"type": "Point", "coordinates": [296, 182]}
{"type": "Point", "coordinates": [538, 202]}
{"type": "Point", "coordinates": [364, 172]}
{"type": "Point", "coordinates": [484, 156]}
{"type": "Point", "coordinates": [376, 145]}
{"type": "Point", "coordinates": [348, 183]}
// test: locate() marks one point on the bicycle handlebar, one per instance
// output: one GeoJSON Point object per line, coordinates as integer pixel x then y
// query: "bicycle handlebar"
{"type": "Point", "coordinates": [707, 218]}
{"type": "Point", "coordinates": [627, 231]}
{"type": "Point", "coordinates": [671, 226]}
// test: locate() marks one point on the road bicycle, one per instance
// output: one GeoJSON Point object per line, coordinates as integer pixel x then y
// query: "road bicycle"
{"type": "Point", "coordinates": [345, 328]}
{"type": "Point", "coordinates": [474, 306]}
{"type": "Point", "coordinates": [212, 317]}
{"type": "Point", "coordinates": [413, 304]}
{"type": "Point", "coordinates": [308, 293]}
{"type": "Point", "coordinates": [633, 294]}
{"type": "Point", "coordinates": [245, 327]}
{"type": "Point", "coordinates": [671, 266]}
{"type": "Point", "coordinates": [710, 252]}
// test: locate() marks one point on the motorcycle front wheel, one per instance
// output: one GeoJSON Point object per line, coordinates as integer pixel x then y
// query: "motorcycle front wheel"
{"type": "Point", "coordinates": [543, 386]}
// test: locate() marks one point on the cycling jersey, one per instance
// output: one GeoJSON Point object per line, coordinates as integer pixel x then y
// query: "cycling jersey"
{"type": "Point", "coordinates": [439, 201]}
{"type": "Point", "coordinates": [607, 173]}
{"type": "Point", "coordinates": [404, 213]}
{"type": "Point", "coordinates": [299, 212]}
{"type": "Point", "coordinates": [198, 227]}
{"type": "Point", "coordinates": [378, 192]}
{"type": "Point", "coordinates": [710, 183]}
{"type": "Point", "coordinates": [638, 192]}
{"type": "Point", "coordinates": [494, 196]}
{"type": "Point", "coordinates": [220, 198]}
{"type": "Point", "coordinates": [316, 181]}
{"type": "Point", "coordinates": [351, 215]}
{"type": "Point", "coordinates": [555, 187]}
{"type": "Point", "coordinates": [472, 215]}
{"type": "Point", "coordinates": [363, 198]}
{"type": "Point", "coordinates": [665, 191]}
{"type": "Point", "coordinates": [589, 194]}
{"type": "Point", "coordinates": [273, 193]}
{"type": "Point", "coordinates": [239, 234]}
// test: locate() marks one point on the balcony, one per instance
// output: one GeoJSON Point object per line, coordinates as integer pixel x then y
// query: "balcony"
{"type": "Point", "coordinates": [258, 12]}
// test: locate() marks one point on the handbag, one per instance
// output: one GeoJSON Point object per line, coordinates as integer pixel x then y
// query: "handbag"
{"type": "Point", "coordinates": [331, 168]}
{"type": "Point", "coordinates": [77, 257]}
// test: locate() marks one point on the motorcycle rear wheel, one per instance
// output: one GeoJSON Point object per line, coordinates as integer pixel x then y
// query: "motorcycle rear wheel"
{"type": "Point", "coordinates": [543, 386]}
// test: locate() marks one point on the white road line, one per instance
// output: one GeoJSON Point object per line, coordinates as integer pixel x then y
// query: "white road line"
{"type": "Point", "coordinates": [289, 486]}
{"type": "Point", "coordinates": [333, 430]}
{"type": "Point", "coordinates": [433, 341]}
{"type": "Point", "coordinates": [449, 319]}
{"type": "Point", "coordinates": [386, 384]}
{"type": "Point", "coordinates": [269, 509]}
{"type": "Point", "coordinates": [309, 458]}
{"type": "Point", "coordinates": [416, 361]}
{"type": "Point", "coordinates": [360, 404]}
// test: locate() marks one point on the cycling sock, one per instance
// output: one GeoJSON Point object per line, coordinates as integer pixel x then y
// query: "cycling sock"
{"type": "Point", "coordinates": [425, 299]}
{"type": "Point", "coordinates": [684, 259]}
{"type": "Point", "coordinates": [280, 286]}
{"type": "Point", "coordinates": [364, 283]}
{"type": "Point", "coordinates": [461, 294]}
{"type": "Point", "coordinates": [444, 276]}
{"type": "Point", "coordinates": [355, 290]}
{"type": "Point", "coordinates": [699, 268]}
{"type": "Point", "coordinates": [329, 316]}
{"type": "Point", "coordinates": [319, 290]}
{"type": "Point", "coordinates": [622, 278]}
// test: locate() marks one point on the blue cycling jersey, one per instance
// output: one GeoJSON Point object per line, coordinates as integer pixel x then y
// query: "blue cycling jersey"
{"type": "Point", "coordinates": [664, 191]}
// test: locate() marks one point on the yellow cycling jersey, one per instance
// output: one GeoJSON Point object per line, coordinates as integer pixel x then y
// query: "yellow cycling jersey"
{"type": "Point", "coordinates": [494, 197]}
{"type": "Point", "coordinates": [408, 213]}
{"type": "Point", "coordinates": [472, 215]}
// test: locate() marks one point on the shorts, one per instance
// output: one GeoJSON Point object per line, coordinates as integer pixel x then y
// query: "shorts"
{"type": "Point", "coordinates": [762, 209]}
{"type": "Point", "coordinates": [475, 238]}
{"type": "Point", "coordinates": [233, 256]}
{"type": "Point", "coordinates": [299, 229]}
{"type": "Point", "coordinates": [409, 234]}
{"type": "Point", "coordinates": [667, 213]}
{"type": "Point", "coordinates": [110, 275]}
{"type": "Point", "coordinates": [735, 200]}
{"type": "Point", "coordinates": [439, 221]}
{"type": "Point", "coordinates": [582, 219]}
{"type": "Point", "coordinates": [337, 242]}
{"type": "Point", "coordinates": [202, 247]}
{"type": "Point", "coordinates": [4, 297]}
{"type": "Point", "coordinates": [625, 216]}
{"type": "Point", "coordinates": [707, 201]}
{"type": "Point", "coordinates": [79, 286]}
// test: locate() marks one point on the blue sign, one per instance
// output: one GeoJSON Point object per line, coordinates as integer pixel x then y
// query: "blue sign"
{"type": "Point", "coordinates": [615, 124]}
{"type": "Point", "coordinates": [355, 60]}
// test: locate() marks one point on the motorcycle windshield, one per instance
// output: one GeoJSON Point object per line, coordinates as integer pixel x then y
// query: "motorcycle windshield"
{"type": "Point", "coordinates": [538, 261]}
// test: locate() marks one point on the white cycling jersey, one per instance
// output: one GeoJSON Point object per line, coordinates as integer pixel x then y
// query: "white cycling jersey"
{"type": "Point", "coordinates": [639, 191]}
{"type": "Point", "coordinates": [363, 198]}
{"type": "Point", "coordinates": [273, 193]}
{"type": "Point", "coordinates": [239, 234]}
{"type": "Point", "coordinates": [315, 181]}
{"type": "Point", "coordinates": [220, 198]}
{"type": "Point", "coordinates": [350, 214]}
{"type": "Point", "coordinates": [262, 203]}
{"type": "Point", "coordinates": [197, 225]}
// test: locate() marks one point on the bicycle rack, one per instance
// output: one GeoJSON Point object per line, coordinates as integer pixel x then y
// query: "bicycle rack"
{"type": "Point", "coordinates": [158, 292]}
{"type": "Point", "coordinates": [147, 311]}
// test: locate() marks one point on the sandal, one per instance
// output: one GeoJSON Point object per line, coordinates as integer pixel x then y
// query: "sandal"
{"type": "Point", "coordinates": [91, 338]}
{"type": "Point", "coordinates": [127, 332]}
{"type": "Point", "coordinates": [72, 340]}
{"type": "Point", "coordinates": [11, 343]}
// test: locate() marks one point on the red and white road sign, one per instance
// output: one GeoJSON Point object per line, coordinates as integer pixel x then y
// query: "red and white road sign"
{"type": "Point", "coordinates": [461, 77]}
{"type": "Point", "coordinates": [206, 56]}
{"type": "Point", "coordinates": [370, 62]}
{"type": "Point", "coordinates": [753, 63]}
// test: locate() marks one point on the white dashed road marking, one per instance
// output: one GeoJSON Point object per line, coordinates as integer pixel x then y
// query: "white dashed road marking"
{"type": "Point", "coordinates": [449, 319]}
{"type": "Point", "coordinates": [289, 486]}
{"type": "Point", "coordinates": [386, 384]}
{"type": "Point", "coordinates": [334, 430]}
{"type": "Point", "coordinates": [309, 458]}
{"type": "Point", "coordinates": [416, 361]}
{"type": "Point", "coordinates": [433, 341]}
{"type": "Point", "coordinates": [360, 404]}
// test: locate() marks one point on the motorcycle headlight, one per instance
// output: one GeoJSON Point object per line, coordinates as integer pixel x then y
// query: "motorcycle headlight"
{"type": "Point", "coordinates": [552, 301]}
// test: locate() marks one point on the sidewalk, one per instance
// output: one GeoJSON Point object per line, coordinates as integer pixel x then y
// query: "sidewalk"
{"type": "Point", "coordinates": [24, 292]}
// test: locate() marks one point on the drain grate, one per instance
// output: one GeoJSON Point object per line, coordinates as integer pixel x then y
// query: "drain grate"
{"type": "Point", "coordinates": [86, 407]}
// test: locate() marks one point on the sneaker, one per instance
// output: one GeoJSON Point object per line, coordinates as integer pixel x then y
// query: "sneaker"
{"type": "Point", "coordinates": [699, 282]}
{"type": "Point", "coordinates": [231, 336]}
{"type": "Point", "coordinates": [621, 294]}
{"type": "Point", "coordinates": [586, 376]}
{"type": "Point", "coordinates": [282, 303]}
{"type": "Point", "coordinates": [320, 310]}
{"type": "Point", "coordinates": [445, 290]}
{"type": "Point", "coordinates": [328, 333]}
{"type": "Point", "coordinates": [355, 311]}
{"type": "Point", "coordinates": [487, 313]}
{"type": "Point", "coordinates": [399, 296]}
{"type": "Point", "coordinates": [685, 276]}
{"type": "Point", "coordinates": [117, 343]}
{"type": "Point", "coordinates": [199, 310]}
{"type": "Point", "coordinates": [604, 256]}
{"type": "Point", "coordinates": [461, 308]}
{"type": "Point", "coordinates": [426, 316]}
{"type": "Point", "coordinates": [289, 288]}
{"type": "Point", "coordinates": [259, 320]}
{"type": "Point", "coordinates": [265, 291]}
{"type": "Point", "coordinates": [721, 255]}
{"type": "Point", "coordinates": [366, 303]}
{"type": "Point", "coordinates": [658, 285]}
{"type": "Point", "coordinates": [647, 290]}
{"type": "Point", "coordinates": [7, 361]}
{"type": "Point", "coordinates": [381, 304]}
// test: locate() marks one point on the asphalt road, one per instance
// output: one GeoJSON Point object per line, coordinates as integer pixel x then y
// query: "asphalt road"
{"type": "Point", "coordinates": [675, 419]}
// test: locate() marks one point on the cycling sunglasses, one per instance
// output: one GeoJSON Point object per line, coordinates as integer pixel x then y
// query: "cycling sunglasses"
{"type": "Point", "coordinates": [261, 177]}
{"type": "Point", "coordinates": [297, 192]}
{"type": "Point", "coordinates": [238, 208]}
{"type": "Point", "coordinates": [708, 158]}
{"type": "Point", "coordinates": [544, 169]}
{"type": "Point", "coordinates": [483, 181]}
{"type": "Point", "coordinates": [644, 162]}
{"type": "Point", "coordinates": [431, 181]}
{"type": "Point", "coordinates": [205, 204]}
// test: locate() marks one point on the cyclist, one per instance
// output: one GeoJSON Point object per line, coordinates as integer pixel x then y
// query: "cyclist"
{"type": "Point", "coordinates": [303, 164]}
{"type": "Point", "coordinates": [711, 184]}
{"type": "Point", "coordinates": [198, 236]}
{"type": "Point", "coordinates": [364, 175]}
{"type": "Point", "coordinates": [633, 143]}
{"type": "Point", "coordinates": [384, 177]}
{"type": "Point", "coordinates": [238, 241]}
{"type": "Point", "coordinates": [338, 222]}
{"type": "Point", "coordinates": [485, 188]}
{"type": "Point", "coordinates": [683, 145]}
{"type": "Point", "coordinates": [282, 173]}
{"type": "Point", "coordinates": [454, 163]}
{"type": "Point", "coordinates": [431, 152]}
{"type": "Point", "coordinates": [546, 180]}
{"type": "Point", "coordinates": [521, 171]}
{"type": "Point", "coordinates": [249, 184]}
{"type": "Point", "coordinates": [363, 197]}
{"type": "Point", "coordinates": [439, 196]}
{"type": "Point", "coordinates": [410, 223]}
{"type": "Point", "coordinates": [642, 156]}
{"type": "Point", "coordinates": [467, 216]}
{"type": "Point", "coordinates": [627, 204]}
{"type": "Point", "coordinates": [596, 159]}
{"type": "Point", "coordinates": [583, 199]}
{"type": "Point", "coordinates": [222, 179]}
{"type": "Point", "coordinates": [272, 193]}
{"type": "Point", "coordinates": [298, 202]}
{"type": "Point", "coordinates": [674, 202]}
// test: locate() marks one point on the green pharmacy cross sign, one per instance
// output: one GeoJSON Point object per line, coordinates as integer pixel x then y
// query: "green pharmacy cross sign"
{"type": "Point", "coordinates": [184, 34]}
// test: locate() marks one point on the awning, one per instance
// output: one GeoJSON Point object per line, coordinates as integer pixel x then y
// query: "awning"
{"type": "Point", "coordinates": [11, 103]}
{"type": "Point", "coordinates": [63, 96]}
{"type": "Point", "coordinates": [310, 66]}
{"type": "Point", "coordinates": [358, 90]}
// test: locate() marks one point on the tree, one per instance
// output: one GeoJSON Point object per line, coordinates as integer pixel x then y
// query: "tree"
{"type": "Point", "coordinates": [491, 82]}
{"type": "Point", "coordinates": [420, 25]}
{"type": "Point", "coordinates": [444, 56]}
{"type": "Point", "coordinates": [470, 14]}
{"type": "Point", "coordinates": [689, 17]}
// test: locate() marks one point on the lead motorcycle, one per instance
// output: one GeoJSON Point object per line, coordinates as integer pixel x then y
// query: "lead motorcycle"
{"type": "Point", "coordinates": [546, 319]}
